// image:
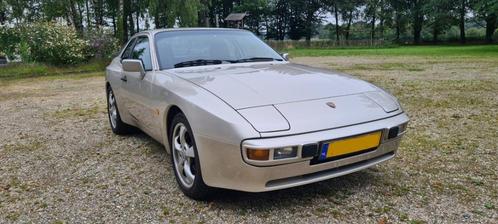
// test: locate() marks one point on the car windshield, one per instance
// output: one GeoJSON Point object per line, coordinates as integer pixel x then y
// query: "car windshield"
{"type": "Point", "coordinates": [203, 47]}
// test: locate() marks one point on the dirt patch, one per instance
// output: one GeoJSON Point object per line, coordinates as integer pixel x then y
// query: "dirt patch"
{"type": "Point", "coordinates": [61, 163]}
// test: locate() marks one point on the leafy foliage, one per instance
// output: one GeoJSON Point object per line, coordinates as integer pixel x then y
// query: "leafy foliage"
{"type": "Point", "coordinates": [44, 42]}
{"type": "Point", "coordinates": [54, 44]}
{"type": "Point", "coordinates": [9, 42]}
{"type": "Point", "coordinates": [101, 44]}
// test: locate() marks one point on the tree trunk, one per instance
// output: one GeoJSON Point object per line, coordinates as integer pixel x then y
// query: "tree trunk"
{"type": "Point", "coordinates": [80, 12]}
{"type": "Point", "coordinates": [491, 23]}
{"type": "Point", "coordinates": [3, 16]}
{"type": "Point", "coordinates": [157, 22]}
{"type": "Point", "coordinates": [398, 26]}
{"type": "Point", "coordinates": [204, 18]}
{"type": "Point", "coordinates": [114, 27]}
{"type": "Point", "coordinates": [131, 23]}
{"type": "Point", "coordinates": [463, 10]}
{"type": "Point", "coordinates": [336, 14]}
{"type": "Point", "coordinates": [372, 28]}
{"type": "Point", "coordinates": [87, 8]}
{"type": "Point", "coordinates": [76, 21]}
{"type": "Point", "coordinates": [382, 19]}
{"type": "Point", "coordinates": [418, 19]}
{"type": "Point", "coordinates": [310, 15]}
{"type": "Point", "coordinates": [350, 21]}
{"type": "Point", "coordinates": [138, 16]}
{"type": "Point", "coordinates": [417, 29]}
{"type": "Point", "coordinates": [67, 17]}
{"type": "Point", "coordinates": [381, 28]}
{"type": "Point", "coordinates": [98, 11]}
{"type": "Point", "coordinates": [435, 33]}
{"type": "Point", "coordinates": [227, 9]}
{"type": "Point", "coordinates": [124, 6]}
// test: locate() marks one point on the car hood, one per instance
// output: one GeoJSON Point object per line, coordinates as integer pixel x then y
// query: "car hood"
{"type": "Point", "coordinates": [259, 84]}
{"type": "Point", "coordinates": [290, 98]}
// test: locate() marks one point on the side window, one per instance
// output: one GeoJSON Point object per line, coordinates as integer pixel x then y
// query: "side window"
{"type": "Point", "coordinates": [127, 51]}
{"type": "Point", "coordinates": [142, 51]}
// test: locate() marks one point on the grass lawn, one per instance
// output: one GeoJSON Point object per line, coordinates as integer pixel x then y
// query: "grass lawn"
{"type": "Point", "coordinates": [423, 51]}
{"type": "Point", "coordinates": [19, 70]}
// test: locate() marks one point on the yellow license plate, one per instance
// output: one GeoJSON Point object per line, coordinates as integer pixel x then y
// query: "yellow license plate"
{"type": "Point", "coordinates": [350, 145]}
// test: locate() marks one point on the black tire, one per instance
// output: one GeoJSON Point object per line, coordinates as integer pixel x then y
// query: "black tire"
{"type": "Point", "coordinates": [198, 190]}
{"type": "Point", "coordinates": [118, 126]}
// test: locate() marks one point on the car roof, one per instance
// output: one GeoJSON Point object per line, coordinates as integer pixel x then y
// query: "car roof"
{"type": "Point", "coordinates": [153, 32]}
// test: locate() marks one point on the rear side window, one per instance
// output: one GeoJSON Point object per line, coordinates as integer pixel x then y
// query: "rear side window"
{"type": "Point", "coordinates": [127, 51]}
{"type": "Point", "coordinates": [142, 51]}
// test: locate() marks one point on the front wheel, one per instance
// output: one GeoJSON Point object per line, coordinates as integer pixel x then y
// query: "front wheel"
{"type": "Point", "coordinates": [117, 125]}
{"type": "Point", "coordinates": [185, 160]}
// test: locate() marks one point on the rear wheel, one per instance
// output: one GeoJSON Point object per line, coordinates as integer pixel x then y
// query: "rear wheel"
{"type": "Point", "coordinates": [117, 125]}
{"type": "Point", "coordinates": [185, 160]}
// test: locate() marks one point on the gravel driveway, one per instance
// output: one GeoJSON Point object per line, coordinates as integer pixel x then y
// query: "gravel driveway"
{"type": "Point", "coordinates": [60, 163]}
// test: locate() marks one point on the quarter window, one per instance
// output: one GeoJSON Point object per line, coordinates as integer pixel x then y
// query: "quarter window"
{"type": "Point", "coordinates": [142, 51]}
{"type": "Point", "coordinates": [127, 51]}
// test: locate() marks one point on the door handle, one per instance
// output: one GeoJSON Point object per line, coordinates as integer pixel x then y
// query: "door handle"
{"type": "Point", "coordinates": [124, 79]}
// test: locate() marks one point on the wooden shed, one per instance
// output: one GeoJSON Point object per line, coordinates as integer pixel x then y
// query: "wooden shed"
{"type": "Point", "coordinates": [236, 20]}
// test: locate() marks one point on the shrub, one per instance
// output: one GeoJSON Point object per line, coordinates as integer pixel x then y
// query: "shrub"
{"type": "Point", "coordinates": [9, 41]}
{"type": "Point", "coordinates": [102, 44]}
{"type": "Point", "coordinates": [54, 44]}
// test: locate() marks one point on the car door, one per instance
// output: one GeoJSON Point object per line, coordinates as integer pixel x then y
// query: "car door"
{"type": "Point", "coordinates": [137, 87]}
{"type": "Point", "coordinates": [114, 77]}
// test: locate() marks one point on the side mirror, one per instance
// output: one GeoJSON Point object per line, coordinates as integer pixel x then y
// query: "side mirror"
{"type": "Point", "coordinates": [285, 56]}
{"type": "Point", "coordinates": [134, 65]}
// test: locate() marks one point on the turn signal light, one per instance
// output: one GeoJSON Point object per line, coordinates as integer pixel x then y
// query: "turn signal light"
{"type": "Point", "coordinates": [258, 154]}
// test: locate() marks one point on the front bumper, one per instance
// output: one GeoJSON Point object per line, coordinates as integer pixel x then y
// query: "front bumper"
{"type": "Point", "coordinates": [222, 164]}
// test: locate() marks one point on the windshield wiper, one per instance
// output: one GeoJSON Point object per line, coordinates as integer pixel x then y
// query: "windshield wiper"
{"type": "Point", "coordinates": [197, 63]}
{"type": "Point", "coordinates": [256, 59]}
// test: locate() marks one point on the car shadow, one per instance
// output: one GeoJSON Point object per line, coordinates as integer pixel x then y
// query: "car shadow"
{"type": "Point", "coordinates": [337, 189]}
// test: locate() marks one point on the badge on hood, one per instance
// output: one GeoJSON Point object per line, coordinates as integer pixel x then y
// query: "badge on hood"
{"type": "Point", "coordinates": [331, 104]}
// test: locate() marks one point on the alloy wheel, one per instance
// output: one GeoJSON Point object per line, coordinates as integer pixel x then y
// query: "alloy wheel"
{"type": "Point", "coordinates": [113, 111]}
{"type": "Point", "coordinates": [183, 155]}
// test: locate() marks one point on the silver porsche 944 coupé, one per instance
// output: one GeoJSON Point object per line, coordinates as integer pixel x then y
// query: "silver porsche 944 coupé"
{"type": "Point", "coordinates": [235, 114]}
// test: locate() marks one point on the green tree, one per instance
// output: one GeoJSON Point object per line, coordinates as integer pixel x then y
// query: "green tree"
{"type": "Point", "coordinates": [279, 19]}
{"type": "Point", "coordinates": [462, 11]}
{"type": "Point", "coordinates": [99, 12]}
{"type": "Point", "coordinates": [112, 11]}
{"type": "Point", "coordinates": [440, 16]}
{"type": "Point", "coordinates": [188, 12]}
{"type": "Point", "coordinates": [372, 13]}
{"type": "Point", "coordinates": [335, 7]}
{"type": "Point", "coordinates": [487, 10]}
{"type": "Point", "coordinates": [53, 9]}
{"type": "Point", "coordinates": [3, 12]}
{"type": "Point", "coordinates": [349, 11]}
{"type": "Point", "coordinates": [163, 12]}
{"type": "Point", "coordinates": [401, 16]}
{"type": "Point", "coordinates": [417, 13]}
{"type": "Point", "coordinates": [258, 11]}
{"type": "Point", "coordinates": [305, 15]}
